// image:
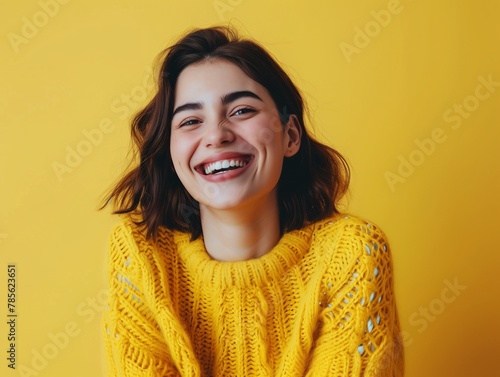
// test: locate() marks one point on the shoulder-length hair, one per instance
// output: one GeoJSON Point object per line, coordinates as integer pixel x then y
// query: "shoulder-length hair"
{"type": "Point", "coordinates": [311, 183]}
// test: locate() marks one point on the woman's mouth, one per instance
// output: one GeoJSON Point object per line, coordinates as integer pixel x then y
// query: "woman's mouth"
{"type": "Point", "coordinates": [224, 169]}
{"type": "Point", "coordinates": [222, 166]}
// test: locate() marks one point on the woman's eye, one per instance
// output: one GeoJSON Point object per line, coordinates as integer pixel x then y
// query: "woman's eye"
{"type": "Point", "coordinates": [189, 122]}
{"type": "Point", "coordinates": [243, 110]}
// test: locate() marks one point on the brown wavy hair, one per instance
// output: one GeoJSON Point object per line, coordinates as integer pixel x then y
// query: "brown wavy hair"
{"type": "Point", "coordinates": [311, 184]}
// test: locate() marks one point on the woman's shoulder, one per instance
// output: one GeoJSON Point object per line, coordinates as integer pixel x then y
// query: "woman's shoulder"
{"type": "Point", "coordinates": [129, 233]}
{"type": "Point", "coordinates": [354, 249]}
{"type": "Point", "coordinates": [350, 233]}
{"type": "Point", "coordinates": [349, 223]}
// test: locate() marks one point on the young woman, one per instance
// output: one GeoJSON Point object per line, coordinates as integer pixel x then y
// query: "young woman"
{"type": "Point", "coordinates": [232, 258]}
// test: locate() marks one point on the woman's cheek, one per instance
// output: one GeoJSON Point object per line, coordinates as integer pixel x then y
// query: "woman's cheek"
{"type": "Point", "coordinates": [181, 148]}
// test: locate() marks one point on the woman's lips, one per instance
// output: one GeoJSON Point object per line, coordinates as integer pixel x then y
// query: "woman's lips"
{"type": "Point", "coordinates": [226, 160]}
{"type": "Point", "coordinates": [221, 170]}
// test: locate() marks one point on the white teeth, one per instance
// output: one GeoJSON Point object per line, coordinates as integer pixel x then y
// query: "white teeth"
{"type": "Point", "coordinates": [223, 164]}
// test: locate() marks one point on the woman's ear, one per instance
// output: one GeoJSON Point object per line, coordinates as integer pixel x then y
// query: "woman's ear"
{"type": "Point", "coordinates": [293, 136]}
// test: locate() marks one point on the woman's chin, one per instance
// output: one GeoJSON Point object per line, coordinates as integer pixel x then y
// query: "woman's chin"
{"type": "Point", "coordinates": [226, 204]}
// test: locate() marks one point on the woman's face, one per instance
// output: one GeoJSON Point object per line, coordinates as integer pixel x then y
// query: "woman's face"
{"type": "Point", "coordinates": [227, 142]}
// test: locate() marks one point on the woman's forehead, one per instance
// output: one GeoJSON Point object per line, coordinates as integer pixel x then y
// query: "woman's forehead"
{"type": "Point", "coordinates": [213, 78]}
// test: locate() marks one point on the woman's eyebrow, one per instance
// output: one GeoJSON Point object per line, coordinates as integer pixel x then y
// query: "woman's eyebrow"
{"type": "Point", "coordinates": [228, 98]}
{"type": "Point", "coordinates": [188, 106]}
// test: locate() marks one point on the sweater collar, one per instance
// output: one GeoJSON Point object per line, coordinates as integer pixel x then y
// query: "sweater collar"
{"type": "Point", "coordinates": [291, 247]}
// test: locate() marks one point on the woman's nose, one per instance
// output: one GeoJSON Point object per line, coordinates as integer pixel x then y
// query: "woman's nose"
{"type": "Point", "coordinates": [218, 133]}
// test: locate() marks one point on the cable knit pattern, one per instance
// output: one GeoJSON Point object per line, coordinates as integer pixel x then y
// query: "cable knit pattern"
{"type": "Point", "coordinates": [320, 303]}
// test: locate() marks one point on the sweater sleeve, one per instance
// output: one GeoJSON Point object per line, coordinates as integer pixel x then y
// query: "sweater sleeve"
{"type": "Point", "coordinates": [359, 330]}
{"type": "Point", "coordinates": [133, 346]}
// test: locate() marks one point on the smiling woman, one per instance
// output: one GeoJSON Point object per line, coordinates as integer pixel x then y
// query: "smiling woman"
{"type": "Point", "coordinates": [232, 258]}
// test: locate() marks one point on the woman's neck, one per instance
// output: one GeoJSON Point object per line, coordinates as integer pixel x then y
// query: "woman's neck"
{"type": "Point", "coordinates": [241, 234]}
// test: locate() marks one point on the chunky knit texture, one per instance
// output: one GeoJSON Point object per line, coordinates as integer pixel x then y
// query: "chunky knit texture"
{"type": "Point", "coordinates": [320, 303]}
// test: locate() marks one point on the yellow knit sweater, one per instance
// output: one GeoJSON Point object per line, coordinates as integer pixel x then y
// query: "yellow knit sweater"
{"type": "Point", "coordinates": [320, 303]}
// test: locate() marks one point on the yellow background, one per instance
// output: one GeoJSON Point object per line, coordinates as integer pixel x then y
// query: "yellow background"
{"type": "Point", "coordinates": [88, 64]}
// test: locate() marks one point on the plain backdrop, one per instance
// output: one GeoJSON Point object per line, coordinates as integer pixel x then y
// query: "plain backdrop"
{"type": "Point", "coordinates": [408, 91]}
